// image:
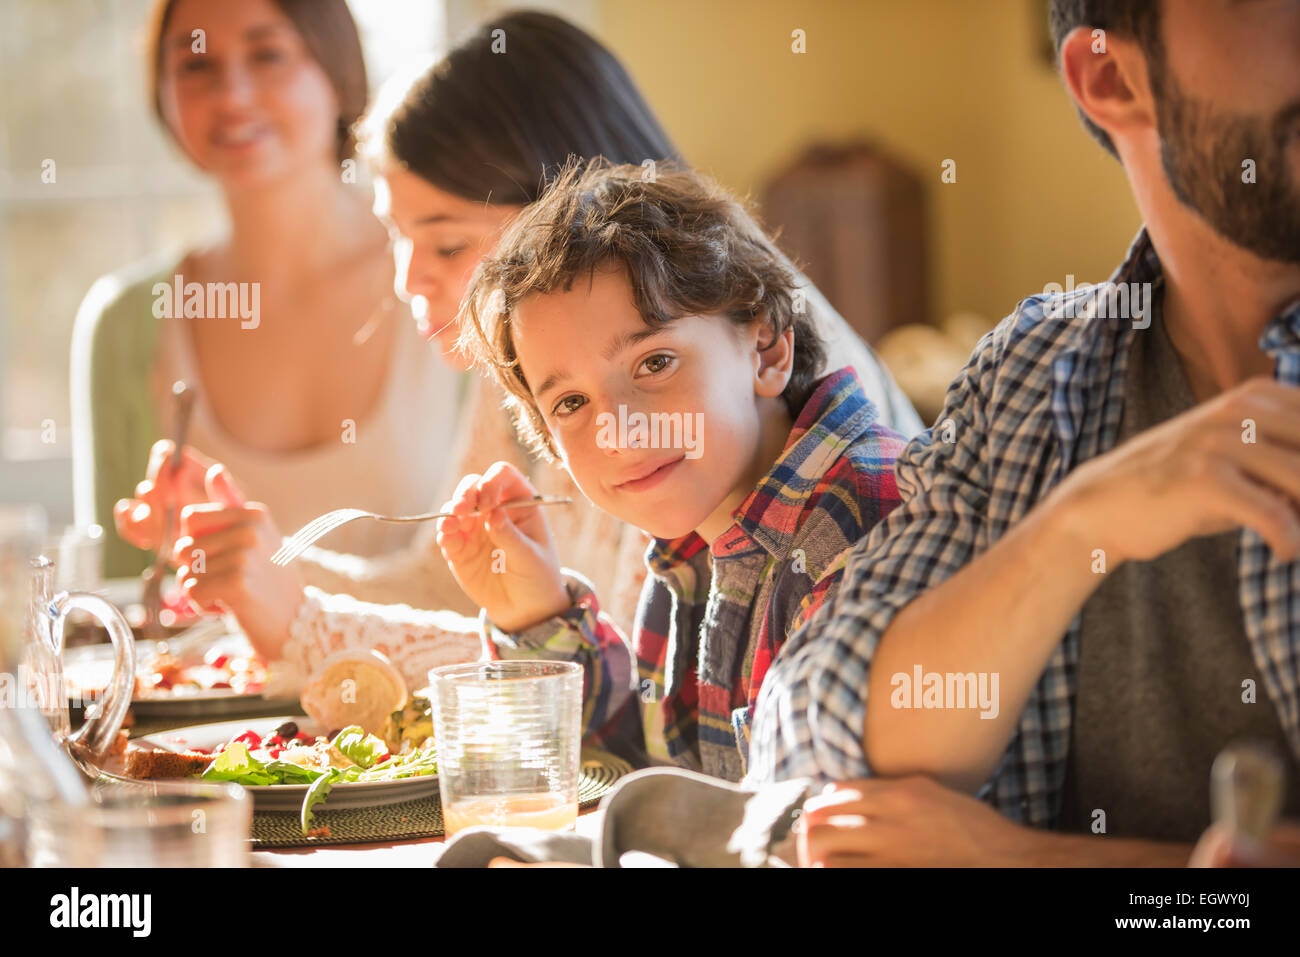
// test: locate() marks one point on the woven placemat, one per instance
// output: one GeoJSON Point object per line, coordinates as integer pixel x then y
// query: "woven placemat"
{"type": "Point", "coordinates": [421, 818]}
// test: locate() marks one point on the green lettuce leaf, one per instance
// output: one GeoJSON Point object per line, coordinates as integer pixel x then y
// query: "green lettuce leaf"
{"type": "Point", "coordinates": [287, 773]}
{"type": "Point", "coordinates": [316, 794]}
{"type": "Point", "coordinates": [360, 748]}
{"type": "Point", "coordinates": [236, 764]}
{"type": "Point", "coordinates": [320, 790]}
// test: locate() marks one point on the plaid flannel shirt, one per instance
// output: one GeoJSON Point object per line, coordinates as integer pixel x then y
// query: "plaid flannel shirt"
{"type": "Point", "coordinates": [712, 618]}
{"type": "Point", "coordinates": [1041, 395]}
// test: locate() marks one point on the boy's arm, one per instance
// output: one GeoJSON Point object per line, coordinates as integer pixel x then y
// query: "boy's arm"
{"type": "Point", "coordinates": [610, 712]}
{"type": "Point", "coordinates": [506, 562]}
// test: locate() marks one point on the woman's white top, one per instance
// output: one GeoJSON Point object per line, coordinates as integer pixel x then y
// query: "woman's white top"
{"type": "Point", "coordinates": [394, 461]}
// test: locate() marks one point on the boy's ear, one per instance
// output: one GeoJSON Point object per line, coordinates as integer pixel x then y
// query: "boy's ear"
{"type": "Point", "coordinates": [773, 358]}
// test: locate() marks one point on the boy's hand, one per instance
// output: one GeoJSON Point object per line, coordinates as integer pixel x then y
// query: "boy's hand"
{"type": "Point", "coordinates": [139, 519]}
{"type": "Point", "coordinates": [504, 559]}
{"type": "Point", "coordinates": [223, 559]}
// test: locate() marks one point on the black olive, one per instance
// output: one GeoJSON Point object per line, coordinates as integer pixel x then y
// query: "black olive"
{"type": "Point", "coordinates": [288, 730]}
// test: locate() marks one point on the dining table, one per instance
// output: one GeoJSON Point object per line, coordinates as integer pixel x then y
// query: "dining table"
{"type": "Point", "coordinates": [417, 852]}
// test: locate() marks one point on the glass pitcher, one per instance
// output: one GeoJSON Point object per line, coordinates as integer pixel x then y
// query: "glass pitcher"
{"type": "Point", "coordinates": [43, 663]}
{"type": "Point", "coordinates": [34, 771]}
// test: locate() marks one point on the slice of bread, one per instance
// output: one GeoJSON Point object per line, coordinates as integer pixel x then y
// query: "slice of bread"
{"type": "Point", "coordinates": [353, 687]}
{"type": "Point", "coordinates": [154, 763]}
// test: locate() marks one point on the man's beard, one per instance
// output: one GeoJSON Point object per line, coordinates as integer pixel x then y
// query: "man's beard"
{"type": "Point", "coordinates": [1203, 154]}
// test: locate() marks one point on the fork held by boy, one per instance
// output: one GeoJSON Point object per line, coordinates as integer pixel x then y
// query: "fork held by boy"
{"type": "Point", "coordinates": [318, 528]}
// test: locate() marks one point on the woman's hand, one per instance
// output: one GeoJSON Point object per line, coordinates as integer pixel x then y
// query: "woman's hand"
{"type": "Point", "coordinates": [504, 559]}
{"type": "Point", "coordinates": [139, 520]}
{"type": "Point", "coordinates": [223, 560]}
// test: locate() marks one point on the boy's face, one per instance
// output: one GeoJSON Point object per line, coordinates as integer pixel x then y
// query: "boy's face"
{"type": "Point", "coordinates": [658, 427]}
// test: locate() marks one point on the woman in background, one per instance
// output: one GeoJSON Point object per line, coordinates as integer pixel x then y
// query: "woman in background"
{"type": "Point", "coordinates": [456, 156]}
{"type": "Point", "coordinates": [327, 379]}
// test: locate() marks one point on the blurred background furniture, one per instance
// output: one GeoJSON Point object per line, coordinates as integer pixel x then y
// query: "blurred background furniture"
{"type": "Point", "coordinates": [853, 217]}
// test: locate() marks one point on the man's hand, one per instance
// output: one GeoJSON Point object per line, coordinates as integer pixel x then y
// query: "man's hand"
{"type": "Point", "coordinates": [505, 559]}
{"type": "Point", "coordinates": [1197, 474]}
{"type": "Point", "coordinates": [1221, 847]}
{"type": "Point", "coordinates": [223, 559]}
{"type": "Point", "coordinates": [909, 822]}
{"type": "Point", "coordinates": [915, 821]}
{"type": "Point", "coordinates": [139, 520]}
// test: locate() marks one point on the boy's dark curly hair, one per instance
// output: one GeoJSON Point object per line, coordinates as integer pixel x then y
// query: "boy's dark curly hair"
{"type": "Point", "coordinates": [687, 246]}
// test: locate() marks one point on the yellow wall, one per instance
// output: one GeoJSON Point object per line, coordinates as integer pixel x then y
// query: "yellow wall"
{"type": "Point", "coordinates": [1035, 197]}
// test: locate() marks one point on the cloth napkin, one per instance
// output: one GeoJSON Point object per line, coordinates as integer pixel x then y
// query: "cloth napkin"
{"type": "Point", "coordinates": [660, 817]}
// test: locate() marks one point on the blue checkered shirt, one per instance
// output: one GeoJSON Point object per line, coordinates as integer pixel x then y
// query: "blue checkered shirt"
{"type": "Point", "coordinates": [1042, 394]}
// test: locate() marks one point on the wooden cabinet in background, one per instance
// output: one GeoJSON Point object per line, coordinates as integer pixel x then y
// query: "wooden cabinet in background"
{"type": "Point", "coordinates": [854, 219]}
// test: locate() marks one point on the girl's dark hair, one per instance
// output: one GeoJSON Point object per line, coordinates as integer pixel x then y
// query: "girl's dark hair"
{"type": "Point", "coordinates": [330, 35]}
{"type": "Point", "coordinates": [501, 113]}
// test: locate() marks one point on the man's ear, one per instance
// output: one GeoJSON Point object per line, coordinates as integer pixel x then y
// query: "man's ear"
{"type": "Point", "coordinates": [1106, 75]}
{"type": "Point", "coordinates": [773, 358]}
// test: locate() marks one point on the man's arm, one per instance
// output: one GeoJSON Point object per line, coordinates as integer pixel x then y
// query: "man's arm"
{"type": "Point", "coordinates": [1003, 614]}
{"type": "Point", "coordinates": [1006, 610]}
{"type": "Point", "coordinates": [1046, 849]}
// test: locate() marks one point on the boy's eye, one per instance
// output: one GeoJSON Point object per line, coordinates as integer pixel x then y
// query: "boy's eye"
{"type": "Point", "coordinates": [268, 55]}
{"type": "Point", "coordinates": [568, 405]}
{"type": "Point", "coordinates": [449, 253]}
{"type": "Point", "coordinates": [195, 64]}
{"type": "Point", "coordinates": [657, 363]}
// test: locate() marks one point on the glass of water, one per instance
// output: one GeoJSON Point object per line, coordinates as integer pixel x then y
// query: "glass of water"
{"type": "Point", "coordinates": [153, 824]}
{"type": "Point", "coordinates": [508, 735]}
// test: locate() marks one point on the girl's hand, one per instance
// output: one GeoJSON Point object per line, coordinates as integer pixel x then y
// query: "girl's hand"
{"type": "Point", "coordinates": [223, 559]}
{"type": "Point", "coordinates": [139, 520]}
{"type": "Point", "coordinates": [504, 559]}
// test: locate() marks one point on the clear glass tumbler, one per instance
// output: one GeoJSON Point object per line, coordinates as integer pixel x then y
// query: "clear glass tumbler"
{"type": "Point", "coordinates": [159, 824]}
{"type": "Point", "coordinates": [509, 739]}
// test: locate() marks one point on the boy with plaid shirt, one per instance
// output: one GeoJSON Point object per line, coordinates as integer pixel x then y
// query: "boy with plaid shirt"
{"type": "Point", "coordinates": [649, 335]}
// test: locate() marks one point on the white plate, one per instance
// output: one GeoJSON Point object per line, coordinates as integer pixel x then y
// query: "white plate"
{"type": "Point", "coordinates": [288, 797]}
{"type": "Point", "coordinates": [91, 667]}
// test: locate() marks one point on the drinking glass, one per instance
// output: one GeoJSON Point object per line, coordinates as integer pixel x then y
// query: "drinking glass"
{"type": "Point", "coordinates": [508, 735]}
{"type": "Point", "coordinates": [158, 824]}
